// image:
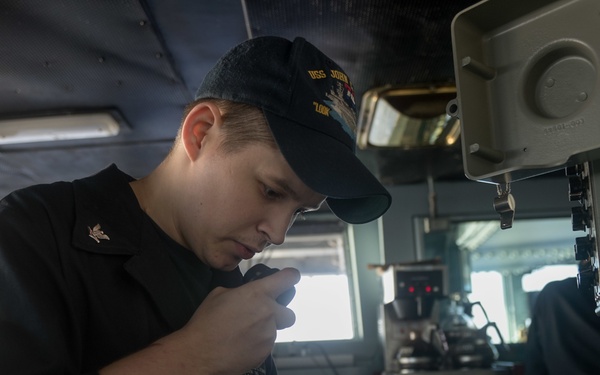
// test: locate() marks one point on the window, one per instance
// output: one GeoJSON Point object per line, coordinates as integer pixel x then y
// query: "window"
{"type": "Point", "coordinates": [323, 310]}
{"type": "Point", "coordinates": [538, 278]}
{"type": "Point", "coordinates": [488, 289]}
{"type": "Point", "coordinates": [324, 300]}
{"type": "Point", "coordinates": [503, 270]}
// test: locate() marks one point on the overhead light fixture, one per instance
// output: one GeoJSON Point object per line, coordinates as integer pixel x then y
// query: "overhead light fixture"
{"type": "Point", "coordinates": [407, 118]}
{"type": "Point", "coordinates": [58, 128]}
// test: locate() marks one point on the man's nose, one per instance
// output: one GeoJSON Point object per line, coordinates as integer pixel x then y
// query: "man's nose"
{"type": "Point", "coordinates": [275, 227]}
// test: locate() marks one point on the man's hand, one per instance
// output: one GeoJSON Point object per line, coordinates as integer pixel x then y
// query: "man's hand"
{"type": "Point", "coordinates": [232, 332]}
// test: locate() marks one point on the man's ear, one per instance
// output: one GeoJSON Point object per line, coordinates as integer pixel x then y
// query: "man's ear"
{"type": "Point", "coordinates": [197, 124]}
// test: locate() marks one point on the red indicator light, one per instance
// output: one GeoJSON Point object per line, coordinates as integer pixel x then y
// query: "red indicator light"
{"type": "Point", "coordinates": [411, 289]}
{"type": "Point", "coordinates": [428, 289]}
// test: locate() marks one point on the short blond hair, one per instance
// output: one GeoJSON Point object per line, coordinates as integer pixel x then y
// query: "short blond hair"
{"type": "Point", "coordinates": [243, 124]}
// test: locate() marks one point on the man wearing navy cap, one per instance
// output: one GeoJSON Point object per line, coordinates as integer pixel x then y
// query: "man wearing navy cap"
{"type": "Point", "coordinates": [128, 276]}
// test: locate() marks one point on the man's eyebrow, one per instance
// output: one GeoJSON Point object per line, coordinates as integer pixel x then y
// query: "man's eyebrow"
{"type": "Point", "coordinates": [283, 185]}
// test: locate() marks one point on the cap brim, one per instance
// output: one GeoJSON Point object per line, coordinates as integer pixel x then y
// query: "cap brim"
{"type": "Point", "coordinates": [330, 168]}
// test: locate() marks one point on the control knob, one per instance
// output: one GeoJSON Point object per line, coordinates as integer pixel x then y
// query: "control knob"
{"type": "Point", "coordinates": [580, 218]}
{"type": "Point", "coordinates": [575, 188]}
{"type": "Point", "coordinates": [584, 247]}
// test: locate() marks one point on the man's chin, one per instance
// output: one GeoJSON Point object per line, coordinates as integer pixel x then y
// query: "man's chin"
{"type": "Point", "coordinates": [225, 264]}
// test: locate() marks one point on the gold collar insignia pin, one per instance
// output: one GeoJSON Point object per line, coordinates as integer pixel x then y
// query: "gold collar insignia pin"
{"type": "Point", "coordinates": [97, 234]}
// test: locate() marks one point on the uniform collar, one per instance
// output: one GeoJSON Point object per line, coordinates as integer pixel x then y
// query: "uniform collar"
{"type": "Point", "coordinates": [108, 217]}
{"type": "Point", "coordinates": [110, 221]}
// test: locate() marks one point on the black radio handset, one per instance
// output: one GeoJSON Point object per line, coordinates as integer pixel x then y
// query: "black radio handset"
{"type": "Point", "coordinates": [259, 271]}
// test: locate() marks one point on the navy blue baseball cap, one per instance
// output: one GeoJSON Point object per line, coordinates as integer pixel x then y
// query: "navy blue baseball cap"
{"type": "Point", "coordinates": [308, 102]}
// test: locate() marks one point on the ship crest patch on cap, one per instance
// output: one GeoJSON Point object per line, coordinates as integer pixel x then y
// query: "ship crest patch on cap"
{"type": "Point", "coordinates": [340, 104]}
{"type": "Point", "coordinates": [341, 111]}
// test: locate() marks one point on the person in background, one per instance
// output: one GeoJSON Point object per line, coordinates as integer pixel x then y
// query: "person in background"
{"type": "Point", "coordinates": [115, 275]}
{"type": "Point", "coordinates": [564, 334]}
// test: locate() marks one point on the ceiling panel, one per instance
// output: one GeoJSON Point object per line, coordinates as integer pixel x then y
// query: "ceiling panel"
{"type": "Point", "coordinates": [145, 60]}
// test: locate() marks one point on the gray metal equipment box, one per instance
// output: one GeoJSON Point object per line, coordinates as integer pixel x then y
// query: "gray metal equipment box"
{"type": "Point", "coordinates": [527, 86]}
